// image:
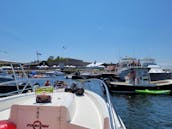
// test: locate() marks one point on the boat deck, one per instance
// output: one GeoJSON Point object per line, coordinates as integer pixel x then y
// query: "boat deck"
{"type": "Point", "coordinates": [83, 111]}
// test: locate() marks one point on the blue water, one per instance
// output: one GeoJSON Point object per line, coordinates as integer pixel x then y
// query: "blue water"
{"type": "Point", "coordinates": [144, 111]}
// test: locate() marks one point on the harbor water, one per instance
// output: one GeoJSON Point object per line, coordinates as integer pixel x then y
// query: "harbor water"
{"type": "Point", "coordinates": [144, 111]}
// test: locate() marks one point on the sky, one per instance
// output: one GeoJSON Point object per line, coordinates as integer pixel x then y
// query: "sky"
{"type": "Point", "coordinates": [101, 30]}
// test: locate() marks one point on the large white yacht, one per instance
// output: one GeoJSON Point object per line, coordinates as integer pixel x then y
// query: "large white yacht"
{"type": "Point", "coordinates": [156, 72]}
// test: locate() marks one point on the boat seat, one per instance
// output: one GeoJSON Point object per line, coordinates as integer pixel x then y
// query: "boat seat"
{"type": "Point", "coordinates": [51, 117]}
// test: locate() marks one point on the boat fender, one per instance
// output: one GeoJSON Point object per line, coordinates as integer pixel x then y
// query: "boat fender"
{"type": "Point", "coordinates": [6, 124]}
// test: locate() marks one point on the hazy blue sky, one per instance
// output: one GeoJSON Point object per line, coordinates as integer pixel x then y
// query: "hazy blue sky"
{"type": "Point", "coordinates": [101, 30]}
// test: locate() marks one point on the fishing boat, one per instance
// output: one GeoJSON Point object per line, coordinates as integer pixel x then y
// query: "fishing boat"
{"type": "Point", "coordinates": [73, 107]}
{"type": "Point", "coordinates": [156, 92]}
{"type": "Point", "coordinates": [138, 78]}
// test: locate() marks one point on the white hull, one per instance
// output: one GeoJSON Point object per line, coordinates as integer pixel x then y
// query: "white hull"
{"type": "Point", "coordinates": [68, 110]}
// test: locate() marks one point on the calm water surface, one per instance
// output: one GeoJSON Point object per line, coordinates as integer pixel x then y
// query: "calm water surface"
{"type": "Point", "coordinates": [144, 111]}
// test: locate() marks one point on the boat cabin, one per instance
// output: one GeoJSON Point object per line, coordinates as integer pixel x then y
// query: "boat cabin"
{"type": "Point", "coordinates": [138, 75]}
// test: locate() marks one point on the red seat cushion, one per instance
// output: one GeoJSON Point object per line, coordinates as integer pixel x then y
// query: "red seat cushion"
{"type": "Point", "coordinates": [6, 124]}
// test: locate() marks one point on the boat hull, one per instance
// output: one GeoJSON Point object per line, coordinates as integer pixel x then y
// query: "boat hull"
{"type": "Point", "coordinates": [12, 88]}
{"type": "Point", "coordinates": [160, 76]}
{"type": "Point", "coordinates": [131, 88]}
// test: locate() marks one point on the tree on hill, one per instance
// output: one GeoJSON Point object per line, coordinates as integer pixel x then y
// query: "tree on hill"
{"type": "Point", "coordinates": [66, 61]}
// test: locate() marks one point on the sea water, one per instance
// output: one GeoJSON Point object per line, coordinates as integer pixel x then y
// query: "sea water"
{"type": "Point", "coordinates": [144, 111]}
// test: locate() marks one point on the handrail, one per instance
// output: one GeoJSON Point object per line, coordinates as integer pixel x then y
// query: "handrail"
{"type": "Point", "coordinates": [15, 77]}
{"type": "Point", "coordinates": [16, 81]}
{"type": "Point", "coordinates": [28, 81]}
{"type": "Point", "coordinates": [112, 112]}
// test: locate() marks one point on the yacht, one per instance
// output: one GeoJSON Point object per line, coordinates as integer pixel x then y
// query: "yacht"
{"type": "Point", "coordinates": [156, 72]}
{"type": "Point", "coordinates": [124, 66]}
{"type": "Point", "coordinates": [75, 107]}
{"type": "Point", "coordinates": [55, 73]}
{"type": "Point", "coordinates": [138, 81]}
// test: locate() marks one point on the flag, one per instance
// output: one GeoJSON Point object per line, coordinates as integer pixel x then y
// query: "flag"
{"type": "Point", "coordinates": [39, 54]}
{"type": "Point", "coordinates": [64, 47]}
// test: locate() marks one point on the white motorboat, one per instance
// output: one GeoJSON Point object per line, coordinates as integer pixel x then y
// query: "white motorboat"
{"type": "Point", "coordinates": [156, 72]}
{"type": "Point", "coordinates": [4, 76]}
{"type": "Point", "coordinates": [56, 73]}
{"type": "Point", "coordinates": [72, 108]}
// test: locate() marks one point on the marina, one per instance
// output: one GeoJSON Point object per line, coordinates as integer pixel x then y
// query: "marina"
{"type": "Point", "coordinates": [85, 64]}
{"type": "Point", "coordinates": [119, 100]}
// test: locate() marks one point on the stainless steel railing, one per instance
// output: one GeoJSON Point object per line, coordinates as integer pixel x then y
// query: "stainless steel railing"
{"type": "Point", "coordinates": [16, 82]}
{"type": "Point", "coordinates": [115, 120]}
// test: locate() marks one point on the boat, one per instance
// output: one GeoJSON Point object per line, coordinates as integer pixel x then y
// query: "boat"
{"type": "Point", "coordinates": [124, 65]}
{"type": "Point", "coordinates": [55, 73]}
{"type": "Point", "coordinates": [12, 84]}
{"type": "Point", "coordinates": [4, 76]}
{"type": "Point", "coordinates": [84, 75]}
{"type": "Point", "coordinates": [138, 79]}
{"type": "Point", "coordinates": [73, 107]}
{"type": "Point", "coordinates": [156, 72]}
{"type": "Point", "coordinates": [156, 92]}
